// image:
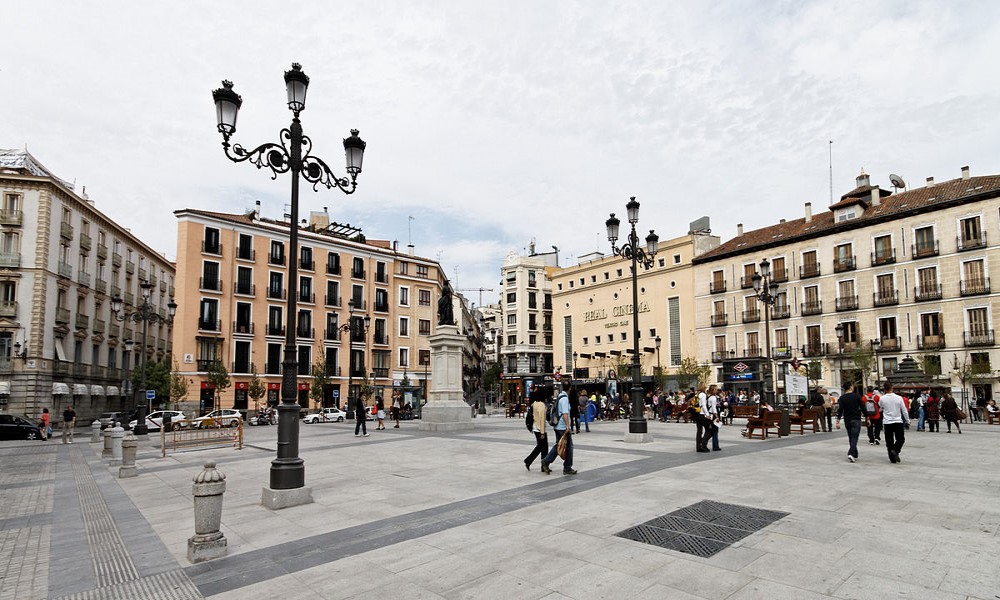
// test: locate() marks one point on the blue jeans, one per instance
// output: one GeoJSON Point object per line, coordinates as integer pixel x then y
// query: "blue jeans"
{"type": "Point", "coordinates": [551, 456]}
{"type": "Point", "coordinates": [920, 419]}
{"type": "Point", "coordinates": [853, 433]}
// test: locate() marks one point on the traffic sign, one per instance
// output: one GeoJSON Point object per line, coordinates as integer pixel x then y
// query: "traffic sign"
{"type": "Point", "coordinates": [336, 393]}
{"type": "Point", "coordinates": [150, 394]}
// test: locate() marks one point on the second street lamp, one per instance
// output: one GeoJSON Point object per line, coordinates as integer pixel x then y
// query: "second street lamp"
{"type": "Point", "coordinates": [632, 249]}
{"type": "Point", "coordinates": [767, 293]}
{"type": "Point", "coordinates": [145, 314]}
{"type": "Point", "coordinates": [292, 154]}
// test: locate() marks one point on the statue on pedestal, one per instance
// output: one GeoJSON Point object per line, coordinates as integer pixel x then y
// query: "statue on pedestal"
{"type": "Point", "coordinates": [446, 314]}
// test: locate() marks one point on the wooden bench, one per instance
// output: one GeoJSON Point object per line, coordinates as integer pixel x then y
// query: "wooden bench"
{"type": "Point", "coordinates": [744, 411]}
{"type": "Point", "coordinates": [809, 416]}
{"type": "Point", "coordinates": [770, 420]}
{"type": "Point", "coordinates": [992, 419]}
{"type": "Point", "coordinates": [515, 410]}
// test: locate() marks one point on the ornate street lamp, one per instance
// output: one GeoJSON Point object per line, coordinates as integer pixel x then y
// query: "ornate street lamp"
{"type": "Point", "coordinates": [145, 314]}
{"type": "Point", "coordinates": [876, 344]}
{"type": "Point", "coordinates": [292, 154]}
{"type": "Point", "coordinates": [637, 427]}
{"type": "Point", "coordinates": [767, 293]}
{"type": "Point", "coordinates": [659, 371]}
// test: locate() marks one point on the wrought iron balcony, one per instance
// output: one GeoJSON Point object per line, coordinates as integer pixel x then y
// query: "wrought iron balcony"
{"type": "Point", "coordinates": [971, 243]}
{"type": "Point", "coordinates": [246, 253]}
{"type": "Point", "coordinates": [716, 287]}
{"type": "Point", "coordinates": [205, 364]}
{"type": "Point", "coordinates": [746, 282]}
{"type": "Point", "coordinates": [305, 332]}
{"type": "Point", "coordinates": [974, 287]}
{"type": "Point", "coordinates": [780, 311]}
{"type": "Point", "coordinates": [11, 217]}
{"type": "Point", "coordinates": [751, 316]}
{"type": "Point", "coordinates": [307, 297]}
{"type": "Point", "coordinates": [720, 320]}
{"type": "Point", "coordinates": [207, 325]}
{"type": "Point", "coordinates": [718, 356]}
{"type": "Point", "coordinates": [212, 284]}
{"type": "Point", "coordinates": [779, 275]}
{"type": "Point", "coordinates": [276, 259]}
{"type": "Point", "coordinates": [979, 337]}
{"type": "Point", "coordinates": [809, 270]}
{"type": "Point", "coordinates": [307, 264]}
{"type": "Point", "coordinates": [273, 329]}
{"type": "Point", "coordinates": [884, 257]}
{"type": "Point", "coordinates": [752, 352]}
{"type": "Point", "coordinates": [847, 303]}
{"type": "Point", "coordinates": [272, 368]}
{"type": "Point", "coordinates": [923, 250]}
{"type": "Point", "coordinates": [332, 269]}
{"type": "Point", "coordinates": [816, 349]}
{"type": "Point", "coordinates": [243, 327]}
{"type": "Point", "coordinates": [276, 293]}
{"type": "Point", "coordinates": [781, 352]}
{"type": "Point", "coordinates": [812, 308]}
{"type": "Point", "coordinates": [922, 293]}
{"type": "Point", "coordinates": [331, 300]}
{"type": "Point", "coordinates": [211, 247]}
{"type": "Point", "coordinates": [885, 297]}
{"type": "Point", "coordinates": [86, 243]}
{"type": "Point", "coordinates": [847, 263]}
{"type": "Point", "coordinates": [930, 342]}
{"type": "Point", "coordinates": [358, 273]}
{"type": "Point", "coordinates": [892, 344]}
{"type": "Point", "coordinates": [244, 288]}
{"type": "Point", "coordinates": [332, 333]}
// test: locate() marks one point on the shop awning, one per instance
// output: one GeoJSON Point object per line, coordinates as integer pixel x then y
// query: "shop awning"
{"type": "Point", "coordinates": [616, 353]}
{"type": "Point", "coordinates": [59, 388]}
{"type": "Point", "coordinates": [4, 388]}
{"type": "Point", "coordinates": [80, 389]}
{"type": "Point", "coordinates": [600, 354]}
{"type": "Point", "coordinates": [113, 391]}
{"type": "Point", "coordinates": [584, 355]}
{"type": "Point", "coordinates": [96, 390]}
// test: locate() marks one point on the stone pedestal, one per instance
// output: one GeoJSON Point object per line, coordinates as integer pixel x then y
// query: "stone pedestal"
{"type": "Point", "coordinates": [117, 435]}
{"type": "Point", "coordinates": [129, 446]}
{"type": "Point", "coordinates": [106, 435]}
{"type": "Point", "coordinates": [446, 410]}
{"type": "Point", "coordinates": [638, 438]}
{"type": "Point", "coordinates": [278, 499]}
{"type": "Point", "coordinates": [95, 431]}
{"type": "Point", "coordinates": [208, 541]}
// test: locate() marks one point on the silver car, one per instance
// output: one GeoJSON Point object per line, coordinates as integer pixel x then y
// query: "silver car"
{"type": "Point", "coordinates": [154, 420]}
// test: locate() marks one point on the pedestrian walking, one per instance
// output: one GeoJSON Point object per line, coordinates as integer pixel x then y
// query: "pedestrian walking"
{"type": "Point", "coordinates": [922, 410]}
{"type": "Point", "coordinates": [584, 411]}
{"type": "Point", "coordinates": [537, 412]}
{"type": "Point", "coordinates": [713, 416]}
{"type": "Point", "coordinates": [380, 412]}
{"type": "Point", "coordinates": [703, 431]}
{"type": "Point", "coordinates": [816, 403]}
{"type": "Point", "coordinates": [950, 412]}
{"type": "Point", "coordinates": [852, 412]}
{"type": "Point", "coordinates": [562, 431]}
{"type": "Point", "coordinates": [933, 412]}
{"type": "Point", "coordinates": [574, 412]}
{"type": "Point", "coordinates": [829, 406]}
{"type": "Point", "coordinates": [68, 423]}
{"type": "Point", "coordinates": [361, 416]}
{"type": "Point", "coordinates": [874, 422]}
{"type": "Point", "coordinates": [46, 424]}
{"type": "Point", "coordinates": [895, 418]}
{"type": "Point", "coordinates": [395, 409]}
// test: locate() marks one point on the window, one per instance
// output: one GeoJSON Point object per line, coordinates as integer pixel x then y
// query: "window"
{"type": "Point", "coordinates": [404, 326]}
{"type": "Point", "coordinates": [749, 270]}
{"type": "Point", "coordinates": [404, 268]}
{"type": "Point", "coordinates": [331, 361]}
{"type": "Point", "coordinates": [244, 280]}
{"type": "Point", "coordinates": [425, 326]}
{"type": "Point", "coordinates": [532, 364]}
{"type": "Point", "coordinates": [273, 364]}
{"type": "Point", "coordinates": [979, 321]}
{"type": "Point", "coordinates": [332, 293]}
{"type": "Point", "coordinates": [358, 268]}
{"type": "Point", "coordinates": [306, 258]}
{"type": "Point", "coordinates": [843, 258]}
{"type": "Point", "coordinates": [209, 315]}
{"type": "Point", "coordinates": [512, 364]}
{"type": "Point", "coordinates": [241, 357]}
{"type": "Point", "coordinates": [810, 265]}
{"type": "Point", "coordinates": [677, 259]}
{"type": "Point", "coordinates": [211, 243]}
{"type": "Point", "coordinates": [333, 263]}
{"type": "Point", "coordinates": [404, 357]}
{"type": "Point", "coordinates": [850, 335]}
{"type": "Point", "coordinates": [887, 330]}
{"type": "Point", "coordinates": [930, 324]}
{"type": "Point", "coordinates": [924, 242]}
{"type": "Point", "coordinates": [753, 345]}
{"type": "Point", "coordinates": [304, 324]}
{"type": "Point", "coordinates": [512, 319]}
{"type": "Point", "coordinates": [404, 296]}
{"type": "Point", "coordinates": [245, 248]}
{"type": "Point", "coordinates": [884, 253]}
{"type": "Point", "coordinates": [532, 300]}
{"type": "Point", "coordinates": [306, 290]}
{"type": "Point", "coordinates": [305, 360]}
{"type": "Point", "coordinates": [277, 254]}
{"type": "Point", "coordinates": [380, 332]}
{"type": "Point", "coordinates": [276, 285]}
{"type": "Point", "coordinates": [532, 323]}
{"type": "Point", "coordinates": [593, 279]}
{"type": "Point", "coordinates": [570, 284]}
{"type": "Point", "coordinates": [382, 300]}
{"type": "Point", "coordinates": [380, 273]}
{"type": "Point", "coordinates": [422, 271]}
{"type": "Point", "coordinates": [357, 295]}
{"type": "Point", "coordinates": [425, 357]}
{"type": "Point", "coordinates": [885, 289]}
{"type": "Point", "coordinates": [275, 321]}
{"type": "Point", "coordinates": [927, 284]}
{"type": "Point", "coordinates": [585, 341]}
{"type": "Point", "coordinates": [244, 322]}
{"type": "Point", "coordinates": [532, 339]}
{"type": "Point", "coordinates": [618, 272]}
{"type": "Point", "coordinates": [970, 234]}
{"type": "Point", "coordinates": [781, 342]}
{"type": "Point", "coordinates": [425, 297]}
{"type": "Point", "coordinates": [531, 279]}
{"type": "Point", "coordinates": [511, 340]}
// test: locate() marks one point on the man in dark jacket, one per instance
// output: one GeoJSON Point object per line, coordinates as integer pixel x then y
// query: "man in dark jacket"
{"type": "Point", "coordinates": [851, 410]}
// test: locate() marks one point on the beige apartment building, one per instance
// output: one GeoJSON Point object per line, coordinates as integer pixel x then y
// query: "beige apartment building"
{"type": "Point", "coordinates": [232, 299]}
{"type": "Point", "coordinates": [593, 314]}
{"type": "Point", "coordinates": [524, 341]}
{"type": "Point", "coordinates": [61, 262]}
{"type": "Point", "coordinates": [904, 273]}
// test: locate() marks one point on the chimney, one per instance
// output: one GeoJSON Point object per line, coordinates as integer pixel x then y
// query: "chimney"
{"type": "Point", "coordinates": [863, 179]}
{"type": "Point", "coordinates": [930, 182]}
{"type": "Point", "coordinates": [413, 251]}
{"type": "Point", "coordinates": [809, 212]}
{"type": "Point", "coordinates": [319, 220]}
{"type": "Point", "coordinates": [781, 221]}
{"type": "Point", "coordinates": [395, 245]}
{"type": "Point", "coordinates": [739, 229]}
{"type": "Point", "coordinates": [965, 172]}
{"type": "Point", "coordinates": [256, 212]}
{"type": "Point", "coordinates": [876, 196]}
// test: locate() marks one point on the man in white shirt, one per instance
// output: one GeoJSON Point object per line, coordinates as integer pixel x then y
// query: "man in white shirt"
{"type": "Point", "coordinates": [713, 415]}
{"type": "Point", "coordinates": [894, 421]}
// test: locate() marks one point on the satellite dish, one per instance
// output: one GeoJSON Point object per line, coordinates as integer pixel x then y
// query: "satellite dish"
{"type": "Point", "coordinates": [897, 181]}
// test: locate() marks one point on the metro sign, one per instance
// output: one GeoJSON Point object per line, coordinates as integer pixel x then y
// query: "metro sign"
{"type": "Point", "coordinates": [741, 367]}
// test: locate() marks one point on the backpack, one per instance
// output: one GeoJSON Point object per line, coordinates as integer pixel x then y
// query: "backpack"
{"type": "Point", "coordinates": [554, 413]}
{"type": "Point", "coordinates": [870, 407]}
{"type": "Point", "coordinates": [529, 418]}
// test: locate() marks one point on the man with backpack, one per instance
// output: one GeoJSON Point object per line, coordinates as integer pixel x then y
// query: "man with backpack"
{"type": "Point", "coordinates": [562, 428]}
{"type": "Point", "coordinates": [874, 414]}
{"type": "Point", "coordinates": [535, 422]}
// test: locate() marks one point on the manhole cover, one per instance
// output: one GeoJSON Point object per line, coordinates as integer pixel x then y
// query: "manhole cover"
{"type": "Point", "coordinates": [703, 528]}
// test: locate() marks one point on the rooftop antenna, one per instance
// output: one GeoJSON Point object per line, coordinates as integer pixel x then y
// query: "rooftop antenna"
{"type": "Point", "coordinates": [897, 182]}
{"type": "Point", "coordinates": [409, 233]}
{"type": "Point", "coordinates": [831, 172]}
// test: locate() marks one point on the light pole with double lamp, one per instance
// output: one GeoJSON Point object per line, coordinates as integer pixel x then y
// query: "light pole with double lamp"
{"type": "Point", "coordinates": [292, 154]}
{"type": "Point", "coordinates": [349, 327]}
{"type": "Point", "coordinates": [767, 294]}
{"type": "Point", "coordinates": [637, 427]}
{"type": "Point", "coordinates": [659, 371]}
{"type": "Point", "coordinates": [145, 314]}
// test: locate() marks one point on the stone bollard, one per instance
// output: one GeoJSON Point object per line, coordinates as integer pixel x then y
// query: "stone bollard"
{"type": "Point", "coordinates": [129, 446]}
{"type": "Point", "coordinates": [117, 434]}
{"type": "Point", "coordinates": [106, 452]}
{"type": "Point", "coordinates": [95, 431]}
{"type": "Point", "coordinates": [208, 541]}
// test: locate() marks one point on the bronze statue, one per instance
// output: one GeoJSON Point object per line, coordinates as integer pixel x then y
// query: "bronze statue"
{"type": "Point", "coordinates": [446, 315]}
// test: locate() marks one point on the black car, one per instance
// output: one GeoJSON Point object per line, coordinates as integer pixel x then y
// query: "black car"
{"type": "Point", "coordinates": [13, 427]}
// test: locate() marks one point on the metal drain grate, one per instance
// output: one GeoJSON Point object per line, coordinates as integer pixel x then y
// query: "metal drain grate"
{"type": "Point", "coordinates": [702, 529]}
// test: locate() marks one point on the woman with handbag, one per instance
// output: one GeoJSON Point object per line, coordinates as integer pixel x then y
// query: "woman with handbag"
{"type": "Point", "coordinates": [950, 411]}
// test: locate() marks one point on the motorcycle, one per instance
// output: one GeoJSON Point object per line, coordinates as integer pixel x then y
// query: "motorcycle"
{"type": "Point", "coordinates": [263, 418]}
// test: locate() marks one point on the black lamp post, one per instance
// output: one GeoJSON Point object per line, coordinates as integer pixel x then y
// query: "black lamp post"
{"type": "Point", "coordinates": [351, 328]}
{"type": "Point", "coordinates": [839, 330]}
{"type": "Point", "coordinates": [659, 371]}
{"type": "Point", "coordinates": [145, 314]}
{"type": "Point", "coordinates": [127, 383]}
{"type": "Point", "coordinates": [767, 293]}
{"type": "Point", "coordinates": [573, 376]}
{"type": "Point", "coordinates": [876, 344]}
{"type": "Point", "coordinates": [632, 250]}
{"type": "Point", "coordinates": [292, 154]}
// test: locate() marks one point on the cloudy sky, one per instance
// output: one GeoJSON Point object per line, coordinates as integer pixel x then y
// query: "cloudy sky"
{"type": "Point", "coordinates": [496, 123]}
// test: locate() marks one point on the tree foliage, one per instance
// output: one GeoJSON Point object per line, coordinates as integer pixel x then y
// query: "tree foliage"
{"type": "Point", "coordinates": [320, 379]}
{"type": "Point", "coordinates": [178, 384]}
{"type": "Point", "coordinates": [218, 376]}
{"type": "Point", "coordinates": [157, 378]}
{"type": "Point", "coordinates": [256, 390]}
{"type": "Point", "coordinates": [691, 373]}
{"type": "Point", "coordinates": [863, 360]}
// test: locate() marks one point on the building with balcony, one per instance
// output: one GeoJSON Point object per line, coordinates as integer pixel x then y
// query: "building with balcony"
{"type": "Point", "coordinates": [592, 314]}
{"type": "Point", "coordinates": [58, 255]}
{"type": "Point", "coordinates": [232, 301]}
{"type": "Point", "coordinates": [900, 273]}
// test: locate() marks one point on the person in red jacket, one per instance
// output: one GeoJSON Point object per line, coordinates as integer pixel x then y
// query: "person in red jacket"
{"type": "Point", "coordinates": [874, 414]}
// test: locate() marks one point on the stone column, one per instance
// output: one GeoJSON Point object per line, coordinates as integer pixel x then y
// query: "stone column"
{"type": "Point", "coordinates": [446, 410]}
{"type": "Point", "coordinates": [117, 435]}
{"type": "Point", "coordinates": [106, 452]}
{"type": "Point", "coordinates": [208, 541]}
{"type": "Point", "coordinates": [95, 431]}
{"type": "Point", "coordinates": [129, 446]}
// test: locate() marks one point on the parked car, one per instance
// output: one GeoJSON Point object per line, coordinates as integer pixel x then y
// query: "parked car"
{"type": "Point", "coordinates": [265, 417]}
{"type": "Point", "coordinates": [154, 420]}
{"type": "Point", "coordinates": [224, 417]}
{"type": "Point", "coordinates": [109, 419]}
{"type": "Point", "coordinates": [14, 427]}
{"type": "Point", "coordinates": [327, 415]}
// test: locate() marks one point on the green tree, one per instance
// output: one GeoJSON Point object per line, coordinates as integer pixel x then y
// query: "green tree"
{"type": "Point", "coordinates": [491, 379]}
{"type": "Point", "coordinates": [863, 360]}
{"type": "Point", "coordinates": [157, 379]}
{"type": "Point", "coordinates": [256, 389]}
{"type": "Point", "coordinates": [691, 373]}
{"type": "Point", "coordinates": [319, 382]}
{"type": "Point", "coordinates": [218, 376]}
{"type": "Point", "coordinates": [178, 384]}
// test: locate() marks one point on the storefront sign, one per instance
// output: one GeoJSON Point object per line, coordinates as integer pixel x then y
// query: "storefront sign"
{"type": "Point", "coordinates": [624, 310]}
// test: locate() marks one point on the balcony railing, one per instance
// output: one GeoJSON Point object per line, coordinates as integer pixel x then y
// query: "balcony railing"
{"type": "Point", "coordinates": [11, 217]}
{"type": "Point", "coordinates": [847, 263]}
{"type": "Point", "coordinates": [274, 259]}
{"type": "Point", "coordinates": [381, 307]}
{"type": "Point", "coordinates": [812, 308]}
{"type": "Point", "coordinates": [211, 247]}
{"type": "Point", "coordinates": [272, 368]}
{"type": "Point", "coordinates": [307, 264]}
{"type": "Point", "coordinates": [82, 321]}
{"type": "Point", "coordinates": [809, 270]}
{"type": "Point", "coordinates": [247, 289]}
{"type": "Point", "coordinates": [380, 338]}
{"type": "Point", "coordinates": [922, 293]}
{"type": "Point", "coordinates": [720, 320]}
{"type": "Point", "coordinates": [974, 287]}
{"type": "Point", "coordinates": [305, 332]}
{"type": "Point", "coordinates": [241, 366]}
{"type": "Point", "coordinates": [276, 294]}
{"type": "Point", "coordinates": [116, 259]}
{"type": "Point", "coordinates": [979, 338]}
{"type": "Point", "coordinates": [746, 282]}
{"type": "Point", "coordinates": [8, 308]}
{"type": "Point", "coordinates": [780, 311]}
{"type": "Point", "coordinates": [781, 352]}
{"type": "Point", "coordinates": [779, 275]}
{"type": "Point", "coordinates": [751, 352]}
{"type": "Point", "coordinates": [65, 270]}
{"type": "Point", "coordinates": [718, 356]}
{"type": "Point", "coordinates": [885, 298]}
{"type": "Point", "coordinates": [242, 327]}
{"type": "Point", "coordinates": [245, 253]}
{"type": "Point", "coordinates": [892, 344]}
{"type": "Point", "coordinates": [924, 250]}
{"type": "Point", "coordinates": [381, 277]}
{"type": "Point", "coordinates": [332, 269]}
{"type": "Point", "coordinates": [928, 342]}
{"type": "Point", "coordinates": [332, 333]}
{"type": "Point", "coordinates": [815, 349]}
{"type": "Point", "coordinates": [358, 273]}
{"type": "Point", "coordinates": [213, 284]}
{"type": "Point", "coordinates": [716, 287]}
{"type": "Point", "coordinates": [275, 329]}
{"type": "Point", "coordinates": [102, 251]}
{"type": "Point", "coordinates": [66, 230]}
{"type": "Point", "coordinates": [206, 325]}
{"type": "Point", "coordinates": [380, 372]}
{"type": "Point", "coordinates": [886, 257]}
{"type": "Point", "coordinates": [307, 297]}
{"type": "Point", "coordinates": [971, 243]}
{"type": "Point", "coordinates": [205, 364]}
{"type": "Point", "coordinates": [329, 300]}
{"type": "Point", "coordinates": [86, 243]}
{"type": "Point", "coordinates": [847, 303]}
{"type": "Point", "coordinates": [13, 260]}
{"type": "Point", "coordinates": [751, 316]}
{"type": "Point", "coordinates": [101, 286]}
{"type": "Point", "coordinates": [83, 277]}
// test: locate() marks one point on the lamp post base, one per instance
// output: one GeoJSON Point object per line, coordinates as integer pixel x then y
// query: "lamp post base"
{"type": "Point", "coordinates": [277, 499]}
{"type": "Point", "coordinates": [638, 432]}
